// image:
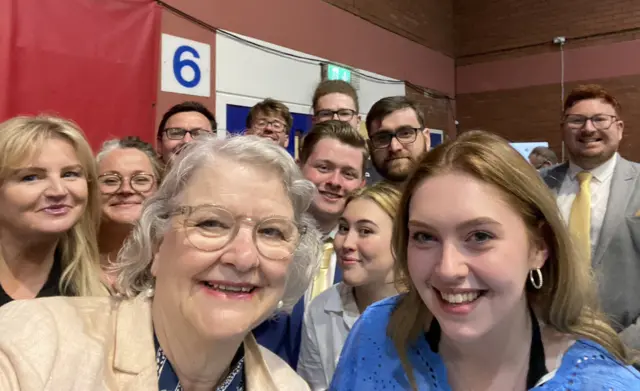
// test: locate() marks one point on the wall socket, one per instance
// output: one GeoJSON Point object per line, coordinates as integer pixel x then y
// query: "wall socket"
{"type": "Point", "coordinates": [559, 40]}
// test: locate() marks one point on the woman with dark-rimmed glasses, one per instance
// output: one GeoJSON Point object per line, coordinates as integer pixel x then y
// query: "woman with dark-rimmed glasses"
{"type": "Point", "coordinates": [128, 173]}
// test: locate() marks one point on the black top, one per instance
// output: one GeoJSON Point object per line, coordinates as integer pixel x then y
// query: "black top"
{"type": "Point", "coordinates": [50, 287]}
{"type": "Point", "coordinates": [537, 365]}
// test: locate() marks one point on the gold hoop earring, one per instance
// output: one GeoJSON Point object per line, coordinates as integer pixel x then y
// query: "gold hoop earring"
{"type": "Point", "coordinates": [536, 281]}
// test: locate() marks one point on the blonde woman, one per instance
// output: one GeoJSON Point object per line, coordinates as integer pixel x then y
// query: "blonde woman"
{"type": "Point", "coordinates": [363, 249]}
{"type": "Point", "coordinates": [50, 210]}
{"type": "Point", "coordinates": [497, 297]}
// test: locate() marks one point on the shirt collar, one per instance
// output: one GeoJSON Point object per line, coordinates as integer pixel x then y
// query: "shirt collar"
{"type": "Point", "coordinates": [331, 235]}
{"type": "Point", "coordinates": [343, 302]}
{"type": "Point", "coordinates": [600, 173]}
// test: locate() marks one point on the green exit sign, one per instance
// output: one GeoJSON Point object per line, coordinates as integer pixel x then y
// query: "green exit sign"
{"type": "Point", "coordinates": [335, 72]}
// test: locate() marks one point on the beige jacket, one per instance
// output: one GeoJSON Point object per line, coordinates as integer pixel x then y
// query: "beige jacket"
{"type": "Point", "coordinates": [100, 344]}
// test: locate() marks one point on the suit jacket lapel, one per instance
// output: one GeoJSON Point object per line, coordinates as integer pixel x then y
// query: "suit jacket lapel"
{"type": "Point", "coordinates": [622, 184]}
{"type": "Point", "coordinates": [134, 353]}
{"type": "Point", "coordinates": [256, 371]}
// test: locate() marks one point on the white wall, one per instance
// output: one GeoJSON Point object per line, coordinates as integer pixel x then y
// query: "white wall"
{"type": "Point", "coordinates": [246, 75]}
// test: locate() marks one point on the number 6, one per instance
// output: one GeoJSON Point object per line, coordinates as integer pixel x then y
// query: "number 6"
{"type": "Point", "coordinates": [179, 64]}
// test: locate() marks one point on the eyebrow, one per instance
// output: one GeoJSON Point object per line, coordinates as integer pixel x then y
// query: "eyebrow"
{"type": "Point", "coordinates": [136, 172]}
{"type": "Point", "coordinates": [338, 109]}
{"type": "Point", "coordinates": [360, 221]}
{"type": "Point", "coordinates": [387, 130]}
{"type": "Point", "coordinates": [334, 164]}
{"type": "Point", "coordinates": [42, 169]}
{"type": "Point", "coordinates": [366, 221]}
{"type": "Point", "coordinates": [460, 227]}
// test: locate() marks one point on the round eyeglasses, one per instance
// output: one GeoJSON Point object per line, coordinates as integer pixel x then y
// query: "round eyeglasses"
{"type": "Point", "coordinates": [404, 135]}
{"type": "Point", "coordinates": [111, 183]}
{"type": "Point", "coordinates": [344, 115]}
{"type": "Point", "coordinates": [211, 227]}
{"type": "Point", "coordinates": [599, 121]}
{"type": "Point", "coordinates": [262, 124]}
{"type": "Point", "coordinates": [179, 133]}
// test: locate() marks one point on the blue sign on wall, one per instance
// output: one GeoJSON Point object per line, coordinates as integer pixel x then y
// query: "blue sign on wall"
{"type": "Point", "coordinates": [237, 123]}
{"type": "Point", "coordinates": [436, 139]}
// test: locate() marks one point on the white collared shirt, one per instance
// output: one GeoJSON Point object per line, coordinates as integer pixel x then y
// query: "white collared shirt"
{"type": "Point", "coordinates": [600, 189]}
{"type": "Point", "coordinates": [327, 322]}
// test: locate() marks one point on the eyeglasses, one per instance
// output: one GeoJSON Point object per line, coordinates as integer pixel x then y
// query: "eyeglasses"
{"type": "Point", "coordinates": [179, 133]}
{"type": "Point", "coordinates": [111, 183]}
{"type": "Point", "coordinates": [211, 227]}
{"type": "Point", "coordinates": [404, 135]}
{"type": "Point", "coordinates": [344, 115]}
{"type": "Point", "coordinates": [262, 123]}
{"type": "Point", "coordinates": [599, 121]}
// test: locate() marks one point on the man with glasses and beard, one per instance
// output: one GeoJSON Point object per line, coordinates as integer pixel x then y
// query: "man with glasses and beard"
{"type": "Point", "coordinates": [181, 124]}
{"type": "Point", "coordinates": [397, 137]}
{"type": "Point", "coordinates": [598, 193]}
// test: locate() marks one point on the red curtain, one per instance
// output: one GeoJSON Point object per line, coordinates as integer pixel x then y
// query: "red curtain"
{"type": "Point", "coordinates": [93, 61]}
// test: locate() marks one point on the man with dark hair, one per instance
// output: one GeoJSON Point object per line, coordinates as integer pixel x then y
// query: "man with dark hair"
{"type": "Point", "coordinates": [598, 194]}
{"type": "Point", "coordinates": [398, 137]}
{"type": "Point", "coordinates": [270, 119]}
{"type": "Point", "coordinates": [332, 156]}
{"type": "Point", "coordinates": [181, 124]}
{"type": "Point", "coordinates": [541, 157]}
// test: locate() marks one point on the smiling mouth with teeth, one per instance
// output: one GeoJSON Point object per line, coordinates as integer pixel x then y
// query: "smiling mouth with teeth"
{"type": "Point", "coordinates": [229, 289]}
{"type": "Point", "coordinates": [331, 195]}
{"type": "Point", "coordinates": [460, 298]}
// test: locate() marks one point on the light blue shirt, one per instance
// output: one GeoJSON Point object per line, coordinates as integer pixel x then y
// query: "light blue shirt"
{"type": "Point", "coordinates": [369, 361]}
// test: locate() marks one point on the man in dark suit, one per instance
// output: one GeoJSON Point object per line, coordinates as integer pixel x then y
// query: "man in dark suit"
{"type": "Point", "coordinates": [598, 193]}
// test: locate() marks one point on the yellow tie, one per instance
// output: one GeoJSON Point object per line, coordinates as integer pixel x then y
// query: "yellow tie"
{"type": "Point", "coordinates": [320, 282]}
{"type": "Point", "coordinates": [580, 218]}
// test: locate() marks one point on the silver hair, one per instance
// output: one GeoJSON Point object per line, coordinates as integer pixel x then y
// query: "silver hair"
{"type": "Point", "coordinates": [106, 148]}
{"type": "Point", "coordinates": [135, 258]}
{"type": "Point", "coordinates": [133, 143]}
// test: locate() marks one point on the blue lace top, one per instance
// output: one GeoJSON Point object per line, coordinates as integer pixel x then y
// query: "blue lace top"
{"type": "Point", "coordinates": [369, 361]}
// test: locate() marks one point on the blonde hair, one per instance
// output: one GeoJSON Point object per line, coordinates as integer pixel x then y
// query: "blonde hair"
{"type": "Point", "coordinates": [383, 194]}
{"type": "Point", "coordinates": [23, 137]}
{"type": "Point", "coordinates": [566, 302]}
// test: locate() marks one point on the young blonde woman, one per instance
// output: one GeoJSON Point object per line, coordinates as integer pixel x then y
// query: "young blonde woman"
{"type": "Point", "coordinates": [50, 210]}
{"type": "Point", "coordinates": [497, 297]}
{"type": "Point", "coordinates": [363, 249]}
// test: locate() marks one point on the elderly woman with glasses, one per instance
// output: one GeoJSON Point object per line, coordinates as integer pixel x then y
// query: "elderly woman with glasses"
{"type": "Point", "coordinates": [223, 243]}
{"type": "Point", "coordinates": [129, 172]}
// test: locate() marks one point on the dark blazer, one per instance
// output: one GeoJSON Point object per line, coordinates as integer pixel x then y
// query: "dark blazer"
{"type": "Point", "coordinates": [282, 334]}
{"type": "Point", "coordinates": [616, 258]}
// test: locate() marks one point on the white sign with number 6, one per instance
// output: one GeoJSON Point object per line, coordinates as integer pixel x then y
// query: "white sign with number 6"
{"type": "Point", "coordinates": [186, 66]}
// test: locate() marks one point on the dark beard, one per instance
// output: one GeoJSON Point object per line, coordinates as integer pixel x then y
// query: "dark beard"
{"type": "Point", "coordinates": [396, 176]}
